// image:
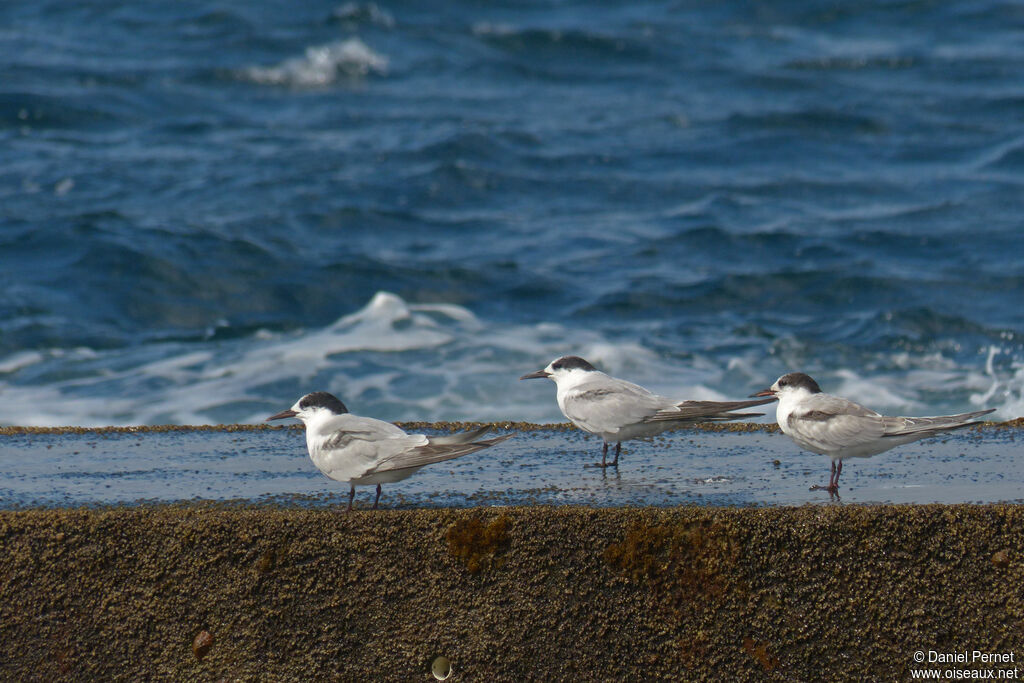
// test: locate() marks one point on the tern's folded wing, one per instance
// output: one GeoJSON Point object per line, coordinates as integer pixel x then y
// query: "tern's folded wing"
{"type": "Point", "coordinates": [906, 426]}
{"type": "Point", "coordinates": [706, 411]}
{"type": "Point", "coordinates": [343, 426]}
{"type": "Point", "coordinates": [828, 423]}
{"type": "Point", "coordinates": [353, 446]}
{"type": "Point", "coordinates": [610, 404]}
{"type": "Point", "coordinates": [350, 455]}
{"type": "Point", "coordinates": [433, 452]}
{"type": "Point", "coordinates": [462, 437]}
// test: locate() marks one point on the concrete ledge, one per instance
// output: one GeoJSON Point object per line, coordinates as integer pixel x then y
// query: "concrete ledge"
{"type": "Point", "coordinates": [528, 593]}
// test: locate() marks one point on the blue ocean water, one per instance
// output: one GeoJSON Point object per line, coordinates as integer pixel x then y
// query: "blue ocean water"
{"type": "Point", "coordinates": [210, 208]}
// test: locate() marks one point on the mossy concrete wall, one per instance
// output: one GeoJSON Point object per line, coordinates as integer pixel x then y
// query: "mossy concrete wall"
{"type": "Point", "coordinates": [530, 593]}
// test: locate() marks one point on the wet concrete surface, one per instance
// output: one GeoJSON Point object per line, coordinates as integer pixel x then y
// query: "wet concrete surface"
{"type": "Point", "coordinates": [743, 465]}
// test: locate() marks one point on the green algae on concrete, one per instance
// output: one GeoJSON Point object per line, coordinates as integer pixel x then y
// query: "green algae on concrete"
{"type": "Point", "coordinates": [809, 593]}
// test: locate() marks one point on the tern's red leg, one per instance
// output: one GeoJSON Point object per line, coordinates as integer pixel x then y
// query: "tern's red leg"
{"type": "Point", "coordinates": [834, 488]}
{"type": "Point", "coordinates": [833, 479]}
{"type": "Point", "coordinates": [351, 495]}
{"type": "Point", "coordinates": [377, 499]}
{"type": "Point", "coordinates": [618, 448]}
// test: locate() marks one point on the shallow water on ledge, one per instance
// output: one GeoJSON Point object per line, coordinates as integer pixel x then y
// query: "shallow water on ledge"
{"type": "Point", "coordinates": [546, 466]}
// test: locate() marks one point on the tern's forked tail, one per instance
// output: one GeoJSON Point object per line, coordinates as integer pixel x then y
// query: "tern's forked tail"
{"type": "Point", "coordinates": [707, 411]}
{"type": "Point", "coordinates": [906, 426]}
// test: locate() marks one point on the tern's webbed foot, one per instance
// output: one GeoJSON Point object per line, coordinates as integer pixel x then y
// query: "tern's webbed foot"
{"type": "Point", "coordinates": [604, 465]}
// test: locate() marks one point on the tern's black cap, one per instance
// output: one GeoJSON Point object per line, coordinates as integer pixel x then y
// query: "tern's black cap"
{"type": "Point", "coordinates": [321, 399]}
{"type": "Point", "coordinates": [799, 380]}
{"type": "Point", "coordinates": [571, 363]}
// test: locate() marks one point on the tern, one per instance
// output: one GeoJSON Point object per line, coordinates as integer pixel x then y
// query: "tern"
{"type": "Point", "coordinates": [362, 450]}
{"type": "Point", "coordinates": [839, 428]}
{"type": "Point", "coordinates": [617, 410]}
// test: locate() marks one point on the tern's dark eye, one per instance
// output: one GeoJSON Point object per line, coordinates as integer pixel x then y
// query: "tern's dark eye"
{"type": "Point", "coordinates": [557, 366]}
{"type": "Point", "coordinates": [783, 382]}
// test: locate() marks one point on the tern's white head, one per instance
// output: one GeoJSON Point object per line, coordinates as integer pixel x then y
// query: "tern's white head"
{"type": "Point", "coordinates": [792, 387]}
{"type": "Point", "coordinates": [312, 407]}
{"type": "Point", "coordinates": [570, 369]}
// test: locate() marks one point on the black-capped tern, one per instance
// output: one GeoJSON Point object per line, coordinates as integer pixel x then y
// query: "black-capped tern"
{"type": "Point", "coordinates": [362, 450]}
{"type": "Point", "coordinates": [617, 410]}
{"type": "Point", "coordinates": [839, 428]}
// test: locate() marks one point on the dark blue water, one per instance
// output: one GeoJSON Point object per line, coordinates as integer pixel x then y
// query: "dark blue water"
{"type": "Point", "coordinates": [209, 208]}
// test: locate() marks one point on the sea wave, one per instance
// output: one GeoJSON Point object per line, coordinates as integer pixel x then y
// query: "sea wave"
{"type": "Point", "coordinates": [404, 361]}
{"type": "Point", "coordinates": [322, 65]}
{"type": "Point", "coordinates": [354, 13]}
{"type": "Point", "coordinates": [1006, 391]}
{"type": "Point", "coordinates": [391, 358]}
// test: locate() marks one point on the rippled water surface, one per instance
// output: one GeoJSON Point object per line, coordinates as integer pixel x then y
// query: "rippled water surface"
{"type": "Point", "coordinates": [210, 208]}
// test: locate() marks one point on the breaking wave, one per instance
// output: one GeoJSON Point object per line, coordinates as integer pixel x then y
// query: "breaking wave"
{"type": "Point", "coordinates": [322, 65]}
{"type": "Point", "coordinates": [401, 361]}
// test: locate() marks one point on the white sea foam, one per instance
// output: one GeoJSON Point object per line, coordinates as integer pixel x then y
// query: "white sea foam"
{"type": "Point", "coordinates": [17, 361]}
{"type": "Point", "coordinates": [353, 12]}
{"type": "Point", "coordinates": [391, 358]}
{"type": "Point", "coordinates": [402, 361]}
{"type": "Point", "coordinates": [873, 392]}
{"type": "Point", "coordinates": [1005, 390]}
{"type": "Point", "coordinates": [322, 65]}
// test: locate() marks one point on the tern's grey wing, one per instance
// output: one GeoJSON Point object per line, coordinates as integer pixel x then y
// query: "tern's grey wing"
{"type": "Point", "coordinates": [608, 404]}
{"type": "Point", "coordinates": [825, 424]}
{"type": "Point", "coordinates": [344, 427]}
{"type": "Point", "coordinates": [354, 446]}
{"type": "Point", "coordinates": [462, 437]}
{"type": "Point", "coordinates": [706, 411]}
{"type": "Point", "coordinates": [433, 452]}
{"type": "Point", "coordinates": [906, 426]}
